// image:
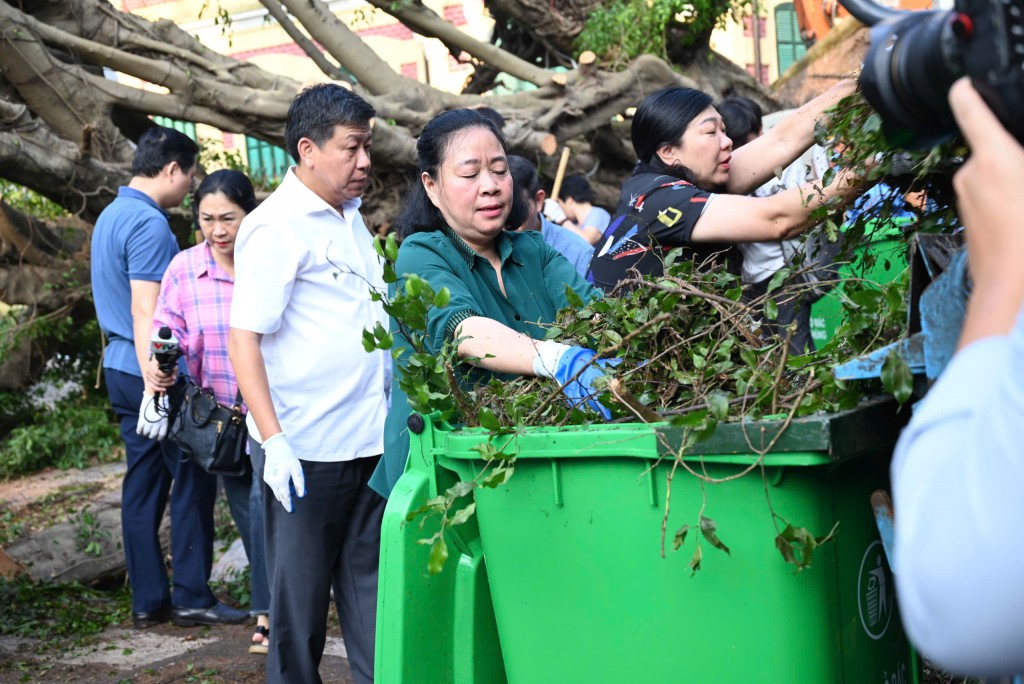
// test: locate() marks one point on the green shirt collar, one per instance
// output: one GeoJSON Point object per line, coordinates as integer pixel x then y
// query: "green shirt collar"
{"type": "Point", "coordinates": [466, 252]}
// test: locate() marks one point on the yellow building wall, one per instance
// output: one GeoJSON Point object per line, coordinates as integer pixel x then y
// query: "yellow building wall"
{"type": "Point", "coordinates": [739, 48]}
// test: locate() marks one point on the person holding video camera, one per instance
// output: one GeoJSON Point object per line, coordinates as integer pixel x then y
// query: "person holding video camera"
{"type": "Point", "coordinates": [958, 470]}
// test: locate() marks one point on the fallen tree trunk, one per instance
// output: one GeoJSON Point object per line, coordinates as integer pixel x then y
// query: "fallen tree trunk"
{"type": "Point", "coordinates": [84, 543]}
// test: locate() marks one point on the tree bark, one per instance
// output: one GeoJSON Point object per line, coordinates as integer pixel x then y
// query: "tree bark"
{"type": "Point", "coordinates": [66, 129]}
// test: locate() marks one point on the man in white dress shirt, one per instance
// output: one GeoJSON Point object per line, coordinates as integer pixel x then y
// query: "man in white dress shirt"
{"type": "Point", "coordinates": [304, 270]}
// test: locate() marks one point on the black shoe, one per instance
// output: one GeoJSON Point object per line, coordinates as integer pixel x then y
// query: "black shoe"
{"type": "Point", "coordinates": [149, 618]}
{"type": "Point", "coordinates": [217, 614]}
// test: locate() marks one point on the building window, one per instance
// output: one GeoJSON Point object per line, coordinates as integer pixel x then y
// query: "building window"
{"type": "Point", "coordinates": [789, 45]}
{"type": "Point", "coordinates": [748, 26]}
{"type": "Point", "coordinates": [763, 78]}
{"type": "Point", "coordinates": [266, 162]}
{"type": "Point", "coordinates": [186, 127]}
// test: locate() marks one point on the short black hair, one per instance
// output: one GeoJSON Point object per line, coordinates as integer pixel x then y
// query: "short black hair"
{"type": "Point", "coordinates": [524, 175]}
{"type": "Point", "coordinates": [492, 114]}
{"type": "Point", "coordinates": [418, 214]}
{"type": "Point", "coordinates": [742, 117]}
{"type": "Point", "coordinates": [576, 187]}
{"type": "Point", "coordinates": [318, 110]}
{"type": "Point", "coordinates": [233, 184]}
{"type": "Point", "coordinates": [158, 146]}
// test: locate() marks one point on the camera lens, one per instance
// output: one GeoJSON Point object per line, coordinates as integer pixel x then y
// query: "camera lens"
{"type": "Point", "coordinates": [909, 67]}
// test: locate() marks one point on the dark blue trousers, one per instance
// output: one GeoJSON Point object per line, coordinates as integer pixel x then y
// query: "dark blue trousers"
{"type": "Point", "coordinates": [152, 468]}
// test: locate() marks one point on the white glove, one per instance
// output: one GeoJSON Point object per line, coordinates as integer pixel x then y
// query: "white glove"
{"type": "Point", "coordinates": [553, 211]}
{"type": "Point", "coordinates": [282, 471]}
{"type": "Point", "coordinates": [153, 417]}
{"type": "Point", "coordinates": [549, 353]}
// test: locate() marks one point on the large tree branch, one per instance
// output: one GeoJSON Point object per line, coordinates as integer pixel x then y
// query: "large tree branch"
{"type": "Point", "coordinates": [31, 154]}
{"type": "Point", "coordinates": [99, 22]}
{"type": "Point", "coordinates": [300, 39]}
{"type": "Point", "coordinates": [372, 72]}
{"type": "Point", "coordinates": [28, 240]}
{"type": "Point", "coordinates": [162, 73]}
{"type": "Point", "coordinates": [425, 21]}
{"type": "Point", "coordinates": [46, 85]}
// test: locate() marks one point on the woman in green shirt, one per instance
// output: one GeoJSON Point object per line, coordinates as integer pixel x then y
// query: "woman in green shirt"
{"type": "Point", "coordinates": [505, 286]}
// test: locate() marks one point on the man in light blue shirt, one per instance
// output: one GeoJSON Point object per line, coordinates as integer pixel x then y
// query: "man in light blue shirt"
{"type": "Point", "coordinates": [958, 470]}
{"type": "Point", "coordinates": [569, 244]}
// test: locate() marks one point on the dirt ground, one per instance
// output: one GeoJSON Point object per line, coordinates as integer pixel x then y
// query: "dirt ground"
{"type": "Point", "coordinates": [160, 655]}
{"type": "Point", "coordinates": [121, 654]}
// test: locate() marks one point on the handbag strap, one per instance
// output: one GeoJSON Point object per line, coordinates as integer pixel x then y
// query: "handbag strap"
{"type": "Point", "coordinates": [238, 399]}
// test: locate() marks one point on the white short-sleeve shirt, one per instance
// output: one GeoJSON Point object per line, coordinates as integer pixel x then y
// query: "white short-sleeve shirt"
{"type": "Point", "coordinates": [303, 278]}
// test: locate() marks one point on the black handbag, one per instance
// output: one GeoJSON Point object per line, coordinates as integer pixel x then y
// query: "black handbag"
{"type": "Point", "coordinates": [212, 434]}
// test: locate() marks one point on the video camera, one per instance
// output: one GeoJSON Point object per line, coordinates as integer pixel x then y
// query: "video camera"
{"type": "Point", "coordinates": [915, 57]}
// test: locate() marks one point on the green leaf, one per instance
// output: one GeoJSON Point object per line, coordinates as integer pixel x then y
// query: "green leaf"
{"type": "Point", "coordinates": [705, 431]}
{"type": "Point", "coordinates": [691, 419]}
{"type": "Point", "coordinates": [574, 300]}
{"type": "Point", "coordinates": [612, 337]}
{"type": "Point", "coordinates": [442, 298]}
{"type": "Point", "coordinates": [680, 537]}
{"type": "Point", "coordinates": [413, 286]}
{"type": "Point", "coordinates": [369, 344]}
{"type": "Point", "coordinates": [896, 376]}
{"type": "Point", "coordinates": [494, 479]}
{"type": "Point", "coordinates": [872, 124]}
{"type": "Point", "coordinates": [718, 403]}
{"type": "Point", "coordinates": [786, 549]}
{"type": "Point", "coordinates": [707, 528]}
{"type": "Point", "coordinates": [488, 420]}
{"type": "Point", "coordinates": [777, 279]}
{"type": "Point", "coordinates": [463, 515]}
{"type": "Point", "coordinates": [771, 310]}
{"type": "Point", "coordinates": [695, 560]}
{"type": "Point", "coordinates": [487, 451]}
{"type": "Point", "coordinates": [460, 489]}
{"type": "Point", "coordinates": [391, 248]}
{"type": "Point", "coordinates": [438, 555]}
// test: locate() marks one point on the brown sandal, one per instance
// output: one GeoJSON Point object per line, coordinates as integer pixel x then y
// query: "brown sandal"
{"type": "Point", "coordinates": [262, 647]}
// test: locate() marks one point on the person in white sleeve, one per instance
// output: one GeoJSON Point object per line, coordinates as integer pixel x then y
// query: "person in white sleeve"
{"type": "Point", "coordinates": [958, 471]}
{"type": "Point", "coordinates": [304, 270]}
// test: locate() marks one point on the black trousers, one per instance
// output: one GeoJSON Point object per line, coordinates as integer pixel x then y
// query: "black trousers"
{"type": "Point", "coordinates": [330, 540]}
{"type": "Point", "coordinates": [792, 308]}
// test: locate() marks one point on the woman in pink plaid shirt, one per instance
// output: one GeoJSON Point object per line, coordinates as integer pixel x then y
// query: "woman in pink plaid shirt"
{"type": "Point", "coordinates": [195, 303]}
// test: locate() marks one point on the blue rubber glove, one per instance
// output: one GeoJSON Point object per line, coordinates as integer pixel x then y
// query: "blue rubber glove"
{"type": "Point", "coordinates": [562, 362]}
{"type": "Point", "coordinates": [282, 471]}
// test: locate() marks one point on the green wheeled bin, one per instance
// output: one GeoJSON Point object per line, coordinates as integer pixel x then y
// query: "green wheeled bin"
{"type": "Point", "coordinates": [559, 577]}
{"type": "Point", "coordinates": [880, 259]}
